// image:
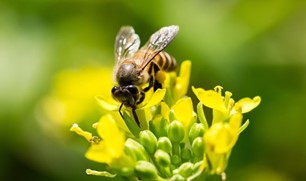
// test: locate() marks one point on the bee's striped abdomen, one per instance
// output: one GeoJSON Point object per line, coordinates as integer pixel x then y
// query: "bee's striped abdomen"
{"type": "Point", "coordinates": [165, 61]}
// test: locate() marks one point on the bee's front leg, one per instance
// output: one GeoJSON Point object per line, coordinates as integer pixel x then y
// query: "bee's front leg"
{"type": "Point", "coordinates": [120, 111]}
{"type": "Point", "coordinates": [135, 116]}
{"type": "Point", "coordinates": [133, 112]}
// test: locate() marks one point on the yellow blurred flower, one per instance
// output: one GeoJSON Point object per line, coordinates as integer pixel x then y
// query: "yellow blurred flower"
{"type": "Point", "coordinates": [71, 98]}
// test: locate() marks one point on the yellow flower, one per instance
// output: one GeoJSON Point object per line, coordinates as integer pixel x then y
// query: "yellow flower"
{"type": "Point", "coordinates": [108, 148]}
{"type": "Point", "coordinates": [112, 144]}
{"type": "Point", "coordinates": [71, 98]}
{"type": "Point", "coordinates": [224, 107]}
{"type": "Point", "coordinates": [226, 126]}
{"type": "Point", "coordinates": [222, 136]}
{"type": "Point", "coordinates": [219, 140]}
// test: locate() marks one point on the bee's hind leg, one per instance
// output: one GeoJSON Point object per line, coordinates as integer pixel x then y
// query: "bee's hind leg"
{"type": "Point", "coordinates": [157, 85]}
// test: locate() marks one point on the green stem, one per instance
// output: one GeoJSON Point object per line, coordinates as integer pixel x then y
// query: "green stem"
{"type": "Point", "coordinates": [201, 115]}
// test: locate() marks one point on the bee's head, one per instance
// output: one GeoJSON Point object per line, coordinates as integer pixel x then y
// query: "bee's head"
{"type": "Point", "coordinates": [128, 95]}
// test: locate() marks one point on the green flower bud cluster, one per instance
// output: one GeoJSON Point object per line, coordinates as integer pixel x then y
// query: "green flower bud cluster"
{"type": "Point", "coordinates": [166, 151]}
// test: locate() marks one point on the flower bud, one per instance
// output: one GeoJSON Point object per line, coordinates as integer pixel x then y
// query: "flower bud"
{"type": "Point", "coordinates": [129, 151]}
{"type": "Point", "coordinates": [178, 177]}
{"type": "Point", "coordinates": [162, 158]}
{"type": "Point", "coordinates": [159, 126]}
{"type": "Point", "coordinates": [164, 143]}
{"type": "Point", "coordinates": [176, 131]}
{"type": "Point", "coordinates": [196, 130]}
{"type": "Point", "coordinates": [185, 154]}
{"type": "Point", "coordinates": [171, 115]}
{"type": "Point", "coordinates": [126, 171]}
{"type": "Point", "coordinates": [175, 159]}
{"type": "Point", "coordinates": [136, 150]}
{"type": "Point", "coordinates": [198, 147]}
{"type": "Point", "coordinates": [185, 169]}
{"type": "Point", "coordinates": [146, 170]}
{"type": "Point", "coordinates": [148, 140]}
{"type": "Point", "coordinates": [197, 166]}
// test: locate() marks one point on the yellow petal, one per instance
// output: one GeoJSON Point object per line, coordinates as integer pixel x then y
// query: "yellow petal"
{"type": "Point", "coordinates": [235, 121]}
{"type": "Point", "coordinates": [120, 122]}
{"type": "Point", "coordinates": [220, 138]}
{"type": "Point", "coordinates": [165, 110]}
{"type": "Point", "coordinates": [108, 104]}
{"type": "Point", "coordinates": [75, 128]}
{"type": "Point", "coordinates": [107, 128]}
{"type": "Point", "coordinates": [99, 153]}
{"type": "Point", "coordinates": [210, 98]}
{"type": "Point", "coordinates": [157, 96]}
{"type": "Point", "coordinates": [183, 110]}
{"type": "Point", "coordinates": [247, 104]}
{"type": "Point", "coordinates": [182, 81]}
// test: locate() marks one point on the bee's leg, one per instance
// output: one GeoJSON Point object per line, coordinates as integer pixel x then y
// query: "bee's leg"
{"type": "Point", "coordinates": [142, 97]}
{"type": "Point", "coordinates": [135, 116]}
{"type": "Point", "coordinates": [151, 84]}
{"type": "Point", "coordinates": [133, 112]}
{"type": "Point", "coordinates": [156, 84]}
{"type": "Point", "coordinates": [120, 110]}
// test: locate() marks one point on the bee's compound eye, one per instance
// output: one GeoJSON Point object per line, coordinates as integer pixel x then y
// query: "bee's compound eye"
{"type": "Point", "coordinates": [132, 89]}
{"type": "Point", "coordinates": [115, 89]}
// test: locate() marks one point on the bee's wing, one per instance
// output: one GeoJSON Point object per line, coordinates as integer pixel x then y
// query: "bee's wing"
{"type": "Point", "coordinates": [157, 42]}
{"type": "Point", "coordinates": [127, 43]}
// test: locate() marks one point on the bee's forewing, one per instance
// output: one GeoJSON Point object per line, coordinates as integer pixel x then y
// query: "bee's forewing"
{"type": "Point", "coordinates": [127, 43]}
{"type": "Point", "coordinates": [157, 42]}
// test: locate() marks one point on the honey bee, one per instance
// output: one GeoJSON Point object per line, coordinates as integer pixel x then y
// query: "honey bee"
{"type": "Point", "coordinates": [135, 68]}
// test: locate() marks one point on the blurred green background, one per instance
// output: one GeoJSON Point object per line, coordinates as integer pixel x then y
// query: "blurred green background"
{"type": "Point", "coordinates": [249, 47]}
